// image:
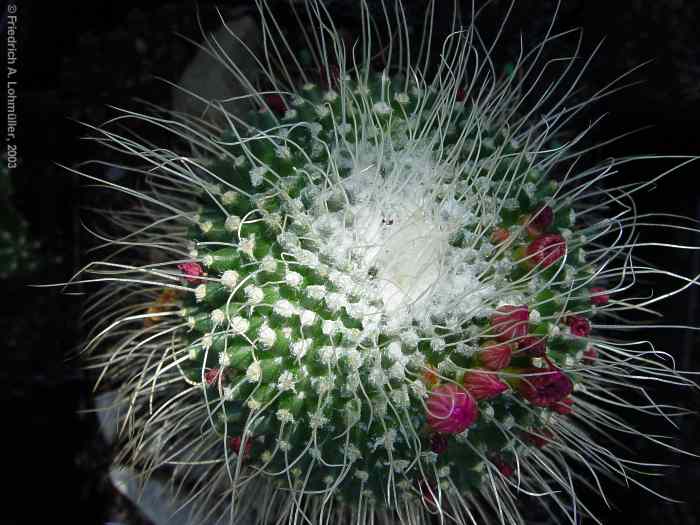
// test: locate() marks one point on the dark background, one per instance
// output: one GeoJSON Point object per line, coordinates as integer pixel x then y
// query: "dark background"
{"type": "Point", "coordinates": [75, 58]}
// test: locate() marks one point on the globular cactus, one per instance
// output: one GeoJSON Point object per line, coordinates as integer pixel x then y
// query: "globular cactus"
{"type": "Point", "coordinates": [376, 296]}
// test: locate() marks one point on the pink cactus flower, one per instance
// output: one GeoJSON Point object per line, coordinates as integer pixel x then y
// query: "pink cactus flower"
{"type": "Point", "coordinates": [211, 376]}
{"type": "Point", "coordinates": [483, 385]}
{"type": "Point", "coordinates": [533, 346]}
{"type": "Point", "coordinates": [563, 406]}
{"type": "Point", "coordinates": [438, 443]}
{"type": "Point", "coordinates": [510, 322]}
{"type": "Point", "coordinates": [540, 221]}
{"type": "Point", "coordinates": [192, 270]}
{"type": "Point", "coordinates": [499, 235]}
{"type": "Point", "coordinates": [599, 297]}
{"type": "Point", "coordinates": [276, 103]}
{"type": "Point", "coordinates": [546, 250]}
{"type": "Point", "coordinates": [540, 437]}
{"type": "Point", "coordinates": [579, 325]}
{"type": "Point", "coordinates": [504, 468]}
{"type": "Point", "coordinates": [451, 409]}
{"type": "Point", "coordinates": [545, 388]}
{"type": "Point", "coordinates": [543, 218]}
{"type": "Point", "coordinates": [590, 355]}
{"type": "Point", "coordinates": [234, 444]}
{"type": "Point", "coordinates": [496, 357]}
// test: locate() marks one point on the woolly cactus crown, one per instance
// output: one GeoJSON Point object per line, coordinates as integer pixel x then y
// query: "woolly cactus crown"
{"type": "Point", "coordinates": [374, 296]}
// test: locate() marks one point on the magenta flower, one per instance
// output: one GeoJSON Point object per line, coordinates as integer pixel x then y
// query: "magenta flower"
{"type": "Point", "coordinates": [499, 235]}
{"type": "Point", "coordinates": [276, 103]}
{"type": "Point", "coordinates": [506, 469]}
{"type": "Point", "coordinates": [451, 409]}
{"type": "Point", "coordinates": [540, 437]}
{"type": "Point", "coordinates": [533, 346]}
{"type": "Point", "coordinates": [546, 250]}
{"type": "Point", "coordinates": [211, 376]}
{"type": "Point", "coordinates": [546, 388]}
{"type": "Point", "coordinates": [496, 357]}
{"type": "Point", "coordinates": [590, 355]}
{"type": "Point", "coordinates": [563, 406]}
{"type": "Point", "coordinates": [579, 325]}
{"type": "Point", "coordinates": [599, 297]}
{"type": "Point", "coordinates": [541, 220]}
{"type": "Point", "coordinates": [235, 444]}
{"type": "Point", "coordinates": [438, 443]}
{"type": "Point", "coordinates": [192, 270]}
{"type": "Point", "coordinates": [483, 385]}
{"type": "Point", "coordinates": [510, 322]}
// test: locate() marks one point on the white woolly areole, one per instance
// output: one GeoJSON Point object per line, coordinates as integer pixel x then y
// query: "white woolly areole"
{"type": "Point", "coordinates": [299, 348]}
{"type": "Point", "coordinates": [254, 294]}
{"type": "Point", "coordinates": [307, 317]}
{"type": "Point", "coordinates": [229, 197]}
{"type": "Point", "coordinates": [248, 245]}
{"type": "Point", "coordinates": [268, 264]}
{"type": "Point", "coordinates": [224, 359]}
{"type": "Point", "coordinates": [266, 336]}
{"type": "Point", "coordinates": [233, 222]}
{"type": "Point", "coordinates": [254, 372]}
{"type": "Point", "coordinates": [284, 308]}
{"type": "Point", "coordinates": [218, 316]}
{"type": "Point", "coordinates": [200, 292]}
{"type": "Point", "coordinates": [239, 325]}
{"type": "Point", "coordinates": [230, 278]}
{"type": "Point", "coordinates": [286, 381]}
{"type": "Point", "coordinates": [293, 278]}
{"type": "Point", "coordinates": [392, 242]}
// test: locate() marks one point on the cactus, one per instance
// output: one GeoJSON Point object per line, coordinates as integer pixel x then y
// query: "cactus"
{"type": "Point", "coordinates": [376, 297]}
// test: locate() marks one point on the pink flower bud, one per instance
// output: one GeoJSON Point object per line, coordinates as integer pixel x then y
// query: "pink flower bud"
{"type": "Point", "coordinates": [590, 355]}
{"type": "Point", "coordinates": [579, 325]}
{"type": "Point", "coordinates": [599, 297]}
{"type": "Point", "coordinates": [546, 250]}
{"type": "Point", "coordinates": [539, 437]}
{"type": "Point", "coordinates": [451, 409]}
{"type": "Point", "coordinates": [192, 270]}
{"type": "Point", "coordinates": [235, 444]}
{"type": "Point", "coordinates": [533, 346]}
{"type": "Point", "coordinates": [499, 235]}
{"type": "Point", "coordinates": [542, 219]}
{"type": "Point", "coordinates": [483, 385]}
{"type": "Point", "coordinates": [496, 357]}
{"type": "Point", "coordinates": [438, 443]}
{"type": "Point", "coordinates": [544, 388]}
{"type": "Point", "coordinates": [504, 468]}
{"type": "Point", "coordinates": [461, 94]}
{"type": "Point", "coordinates": [211, 376]}
{"type": "Point", "coordinates": [563, 406]}
{"type": "Point", "coordinates": [510, 322]}
{"type": "Point", "coordinates": [276, 103]}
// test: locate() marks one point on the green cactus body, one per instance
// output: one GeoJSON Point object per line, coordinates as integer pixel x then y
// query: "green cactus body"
{"type": "Point", "coordinates": [323, 304]}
